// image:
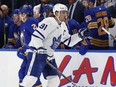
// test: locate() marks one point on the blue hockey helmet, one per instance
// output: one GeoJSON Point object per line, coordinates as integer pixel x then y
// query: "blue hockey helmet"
{"type": "Point", "coordinates": [93, 1]}
{"type": "Point", "coordinates": [16, 11]}
{"type": "Point", "coordinates": [27, 9]}
{"type": "Point", "coordinates": [47, 10]}
{"type": "Point", "coordinates": [48, 7]}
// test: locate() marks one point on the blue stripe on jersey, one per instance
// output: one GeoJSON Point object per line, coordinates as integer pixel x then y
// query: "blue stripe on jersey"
{"type": "Point", "coordinates": [65, 40]}
{"type": "Point", "coordinates": [69, 41]}
{"type": "Point", "coordinates": [40, 34]}
{"type": "Point", "coordinates": [37, 36]}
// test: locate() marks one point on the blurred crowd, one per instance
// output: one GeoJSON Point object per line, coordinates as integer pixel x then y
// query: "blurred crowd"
{"type": "Point", "coordinates": [10, 23]}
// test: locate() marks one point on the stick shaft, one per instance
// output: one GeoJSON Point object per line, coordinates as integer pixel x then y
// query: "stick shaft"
{"type": "Point", "coordinates": [108, 32]}
{"type": "Point", "coordinates": [60, 73]}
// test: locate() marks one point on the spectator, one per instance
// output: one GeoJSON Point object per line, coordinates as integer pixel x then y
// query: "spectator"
{"type": "Point", "coordinates": [76, 10]}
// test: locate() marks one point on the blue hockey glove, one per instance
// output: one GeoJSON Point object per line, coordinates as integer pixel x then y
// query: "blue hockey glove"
{"type": "Point", "coordinates": [84, 47]}
{"type": "Point", "coordinates": [7, 47]}
{"type": "Point", "coordinates": [114, 43]}
{"type": "Point", "coordinates": [21, 52]}
{"type": "Point", "coordinates": [84, 33]}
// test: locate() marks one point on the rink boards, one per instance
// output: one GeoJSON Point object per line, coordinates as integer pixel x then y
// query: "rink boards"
{"type": "Point", "coordinates": [95, 69]}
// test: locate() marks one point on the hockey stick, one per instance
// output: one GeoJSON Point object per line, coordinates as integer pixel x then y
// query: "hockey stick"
{"type": "Point", "coordinates": [108, 33]}
{"type": "Point", "coordinates": [47, 61]}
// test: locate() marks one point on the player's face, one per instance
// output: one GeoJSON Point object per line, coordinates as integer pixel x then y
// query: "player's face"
{"type": "Point", "coordinates": [84, 2]}
{"type": "Point", "coordinates": [63, 16]}
{"type": "Point", "coordinates": [16, 18]}
{"type": "Point", "coordinates": [22, 17]}
{"type": "Point", "coordinates": [90, 4]}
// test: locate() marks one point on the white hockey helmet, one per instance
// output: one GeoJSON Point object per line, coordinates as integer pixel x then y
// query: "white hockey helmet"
{"type": "Point", "coordinates": [59, 7]}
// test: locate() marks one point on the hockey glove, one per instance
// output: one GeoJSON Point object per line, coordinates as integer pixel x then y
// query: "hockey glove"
{"type": "Point", "coordinates": [84, 47]}
{"type": "Point", "coordinates": [84, 33]}
{"type": "Point", "coordinates": [21, 52]}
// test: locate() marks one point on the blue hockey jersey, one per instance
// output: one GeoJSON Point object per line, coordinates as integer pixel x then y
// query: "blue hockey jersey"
{"type": "Point", "coordinates": [28, 29]}
{"type": "Point", "coordinates": [95, 19]}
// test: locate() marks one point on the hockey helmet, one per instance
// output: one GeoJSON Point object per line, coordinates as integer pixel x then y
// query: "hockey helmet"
{"type": "Point", "coordinates": [27, 9]}
{"type": "Point", "coordinates": [93, 1]}
{"type": "Point", "coordinates": [16, 11]}
{"type": "Point", "coordinates": [48, 7]}
{"type": "Point", "coordinates": [59, 7]}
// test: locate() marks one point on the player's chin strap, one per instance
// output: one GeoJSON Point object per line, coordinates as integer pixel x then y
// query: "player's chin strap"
{"type": "Point", "coordinates": [47, 61]}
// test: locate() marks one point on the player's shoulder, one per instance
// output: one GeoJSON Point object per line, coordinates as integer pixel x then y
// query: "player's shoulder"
{"type": "Point", "coordinates": [100, 8]}
{"type": "Point", "coordinates": [36, 6]}
{"type": "Point", "coordinates": [31, 20]}
{"type": "Point", "coordinates": [72, 22]}
{"type": "Point", "coordinates": [49, 20]}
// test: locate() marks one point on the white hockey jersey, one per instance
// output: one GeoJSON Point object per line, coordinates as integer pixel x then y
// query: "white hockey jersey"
{"type": "Point", "coordinates": [50, 34]}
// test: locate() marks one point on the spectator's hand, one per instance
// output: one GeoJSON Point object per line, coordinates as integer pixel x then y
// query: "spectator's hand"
{"type": "Point", "coordinates": [21, 53]}
{"type": "Point", "coordinates": [84, 47]}
{"type": "Point", "coordinates": [84, 33]}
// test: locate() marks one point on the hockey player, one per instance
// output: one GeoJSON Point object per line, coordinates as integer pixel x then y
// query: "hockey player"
{"type": "Point", "coordinates": [14, 33]}
{"type": "Point", "coordinates": [44, 40]}
{"type": "Point", "coordinates": [27, 28]}
{"type": "Point", "coordinates": [47, 13]}
{"type": "Point", "coordinates": [96, 18]}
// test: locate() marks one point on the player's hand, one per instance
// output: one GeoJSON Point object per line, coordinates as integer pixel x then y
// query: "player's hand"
{"type": "Point", "coordinates": [21, 53]}
{"type": "Point", "coordinates": [7, 47]}
{"type": "Point", "coordinates": [84, 47]}
{"type": "Point", "coordinates": [84, 33]}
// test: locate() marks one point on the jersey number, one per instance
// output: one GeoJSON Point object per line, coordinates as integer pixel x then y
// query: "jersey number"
{"type": "Point", "coordinates": [103, 23]}
{"type": "Point", "coordinates": [43, 26]}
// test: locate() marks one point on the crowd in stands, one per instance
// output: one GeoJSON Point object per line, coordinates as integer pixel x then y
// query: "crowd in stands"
{"type": "Point", "coordinates": [11, 25]}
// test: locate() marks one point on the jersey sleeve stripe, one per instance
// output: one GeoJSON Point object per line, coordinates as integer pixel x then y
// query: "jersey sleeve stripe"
{"type": "Point", "coordinates": [65, 40]}
{"type": "Point", "coordinates": [69, 40]}
{"type": "Point", "coordinates": [37, 36]}
{"type": "Point", "coordinates": [40, 34]}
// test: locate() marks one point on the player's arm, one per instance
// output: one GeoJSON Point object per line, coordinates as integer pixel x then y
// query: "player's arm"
{"type": "Point", "coordinates": [71, 40]}
{"type": "Point", "coordinates": [40, 33]}
{"type": "Point", "coordinates": [111, 20]}
{"type": "Point", "coordinates": [89, 22]}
